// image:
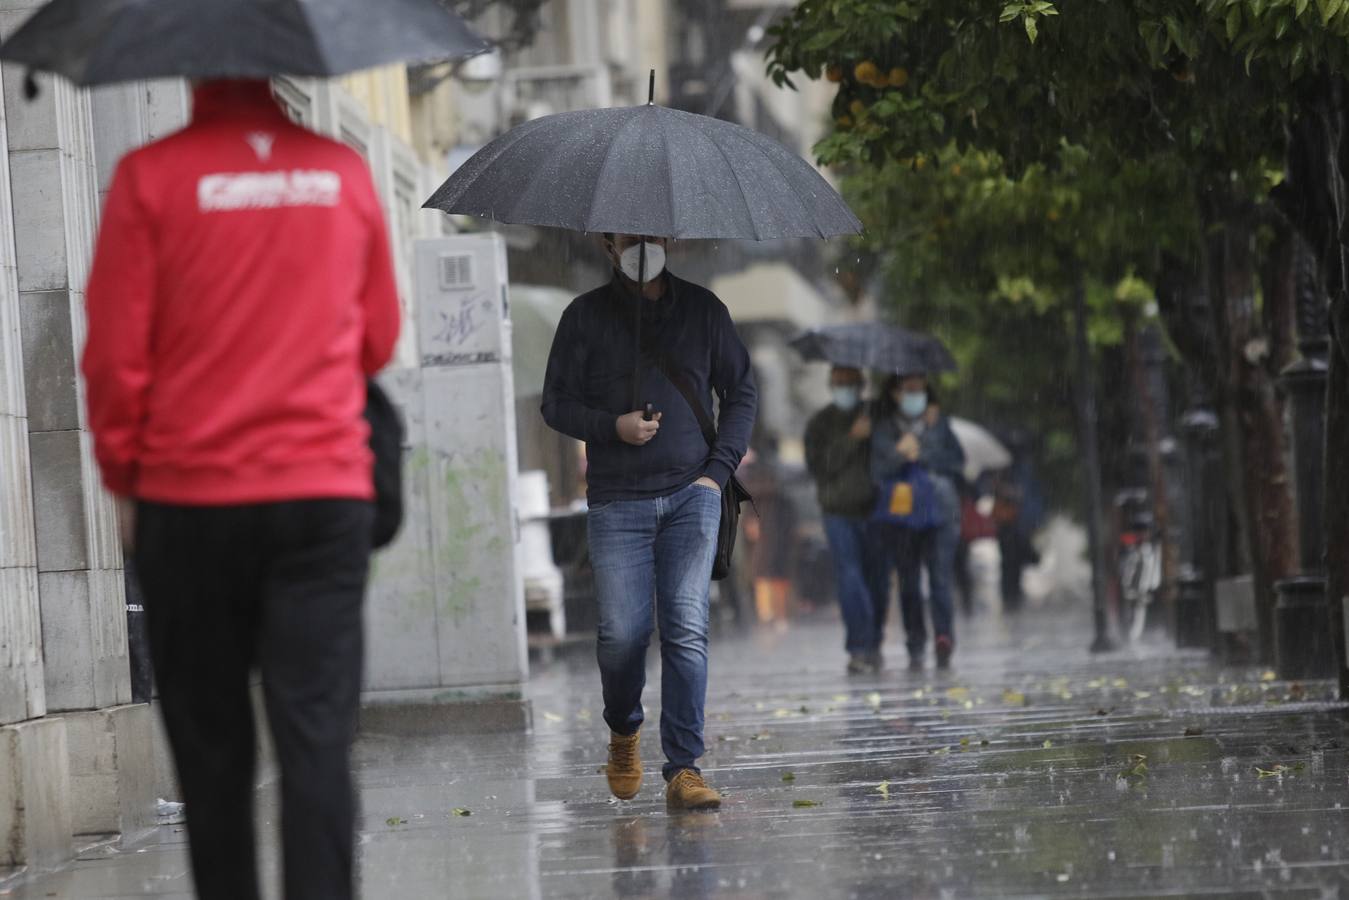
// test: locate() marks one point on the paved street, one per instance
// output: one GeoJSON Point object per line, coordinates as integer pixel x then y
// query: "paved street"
{"type": "Point", "coordinates": [1032, 769]}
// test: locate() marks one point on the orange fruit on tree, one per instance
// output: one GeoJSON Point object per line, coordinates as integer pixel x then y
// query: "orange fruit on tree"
{"type": "Point", "coordinates": [834, 73]}
{"type": "Point", "coordinates": [844, 121]}
{"type": "Point", "coordinates": [857, 108]}
{"type": "Point", "coordinates": [866, 72]}
{"type": "Point", "coordinates": [899, 76]}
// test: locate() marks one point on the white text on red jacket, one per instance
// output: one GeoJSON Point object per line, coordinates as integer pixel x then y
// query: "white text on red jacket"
{"type": "Point", "coordinates": [229, 192]}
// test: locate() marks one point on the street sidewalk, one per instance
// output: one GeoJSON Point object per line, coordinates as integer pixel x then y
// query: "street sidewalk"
{"type": "Point", "coordinates": [1031, 769]}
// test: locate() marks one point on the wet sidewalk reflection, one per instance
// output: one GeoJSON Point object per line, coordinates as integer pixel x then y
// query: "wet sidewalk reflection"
{"type": "Point", "coordinates": [1030, 769]}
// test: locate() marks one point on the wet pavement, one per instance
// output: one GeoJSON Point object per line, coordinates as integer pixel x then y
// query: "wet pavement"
{"type": "Point", "coordinates": [1031, 769]}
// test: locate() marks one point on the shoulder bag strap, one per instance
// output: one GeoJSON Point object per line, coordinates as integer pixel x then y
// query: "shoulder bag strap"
{"type": "Point", "coordinates": [681, 382]}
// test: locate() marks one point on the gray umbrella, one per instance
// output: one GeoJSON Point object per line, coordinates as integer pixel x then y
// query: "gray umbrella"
{"type": "Point", "coordinates": [646, 170]}
{"type": "Point", "coordinates": [872, 345]}
{"type": "Point", "coordinates": [106, 41]}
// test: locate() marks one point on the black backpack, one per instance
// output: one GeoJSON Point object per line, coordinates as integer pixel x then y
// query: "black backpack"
{"type": "Point", "coordinates": [386, 440]}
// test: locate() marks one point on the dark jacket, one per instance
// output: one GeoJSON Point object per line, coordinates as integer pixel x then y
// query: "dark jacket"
{"type": "Point", "coordinates": [840, 465]}
{"type": "Point", "coordinates": [588, 385]}
{"type": "Point", "coordinates": [940, 453]}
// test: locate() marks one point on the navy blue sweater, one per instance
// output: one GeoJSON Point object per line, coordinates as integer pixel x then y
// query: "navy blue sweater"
{"type": "Point", "coordinates": [589, 385]}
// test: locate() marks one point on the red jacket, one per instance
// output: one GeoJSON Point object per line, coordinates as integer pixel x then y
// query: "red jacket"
{"type": "Point", "coordinates": [241, 291]}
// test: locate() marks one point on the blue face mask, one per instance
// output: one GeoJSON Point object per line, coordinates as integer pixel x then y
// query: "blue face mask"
{"type": "Point", "coordinates": [913, 405]}
{"type": "Point", "coordinates": [846, 398]}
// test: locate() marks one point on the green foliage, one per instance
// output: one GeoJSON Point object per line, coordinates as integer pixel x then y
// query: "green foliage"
{"type": "Point", "coordinates": [1126, 78]}
{"type": "Point", "coordinates": [988, 262]}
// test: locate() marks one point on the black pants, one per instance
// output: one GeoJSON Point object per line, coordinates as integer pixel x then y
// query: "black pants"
{"type": "Point", "coordinates": [279, 586]}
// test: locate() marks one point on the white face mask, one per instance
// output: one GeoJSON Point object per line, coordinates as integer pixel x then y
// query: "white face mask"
{"type": "Point", "coordinates": [846, 398]}
{"type": "Point", "coordinates": [913, 405]}
{"type": "Point", "coordinates": [655, 261]}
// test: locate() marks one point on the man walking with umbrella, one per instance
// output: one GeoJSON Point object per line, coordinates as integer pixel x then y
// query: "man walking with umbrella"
{"type": "Point", "coordinates": [654, 490]}
{"type": "Point", "coordinates": [655, 481]}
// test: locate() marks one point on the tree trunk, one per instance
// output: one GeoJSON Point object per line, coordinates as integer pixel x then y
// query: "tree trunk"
{"type": "Point", "coordinates": [1336, 508]}
{"type": "Point", "coordinates": [1315, 198]}
{"type": "Point", "coordinates": [1278, 282]}
{"type": "Point", "coordinates": [1256, 411]}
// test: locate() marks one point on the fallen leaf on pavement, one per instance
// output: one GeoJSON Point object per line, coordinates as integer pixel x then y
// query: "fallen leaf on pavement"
{"type": "Point", "coordinates": [805, 804]}
{"type": "Point", "coordinates": [1138, 767]}
{"type": "Point", "coordinates": [884, 789]}
{"type": "Point", "coordinates": [788, 776]}
{"type": "Point", "coordinates": [460, 811]}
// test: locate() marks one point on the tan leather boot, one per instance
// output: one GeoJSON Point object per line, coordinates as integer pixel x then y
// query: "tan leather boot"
{"type": "Point", "coordinates": [625, 765]}
{"type": "Point", "coordinates": [687, 790]}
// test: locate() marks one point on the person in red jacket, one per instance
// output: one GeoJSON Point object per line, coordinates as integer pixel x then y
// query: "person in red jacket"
{"type": "Point", "coordinates": [242, 291]}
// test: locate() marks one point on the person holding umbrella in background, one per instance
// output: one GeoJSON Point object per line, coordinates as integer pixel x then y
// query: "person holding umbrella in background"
{"type": "Point", "coordinates": [850, 348]}
{"type": "Point", "coordinates": [838, 455]}
{"type": "Point", "coordinates": [241, 293]}
{"type": "Point", "coordinates": [913, 443]}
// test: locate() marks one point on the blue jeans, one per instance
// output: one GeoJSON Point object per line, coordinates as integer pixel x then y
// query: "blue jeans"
{"type": "Point", "coordinates": [859, 569]}
{"type": "Point", "coordinates": [934, 550]}
{"type": "Point", "coordinates": [653, 561]}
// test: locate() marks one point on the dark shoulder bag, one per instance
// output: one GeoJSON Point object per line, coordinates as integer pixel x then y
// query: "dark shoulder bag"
{"type": "Point", "coordinates": [386, 441]}
{"type": "Point", "coordinates": [734, 494]}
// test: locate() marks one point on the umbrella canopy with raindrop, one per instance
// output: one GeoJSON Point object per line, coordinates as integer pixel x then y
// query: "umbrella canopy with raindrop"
{"type": "Point", "coordinates": [873, 345]}
{"type": "Point", "coordinates": [983, 452]}
{"type": "Point", "coordinates": [646, 170]}
{"type": "Point", "coordinates": [107, 41]}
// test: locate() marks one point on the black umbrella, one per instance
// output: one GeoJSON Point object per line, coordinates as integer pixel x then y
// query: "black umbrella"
{"type": "Point", "coordinates": [646, 170]}
{"type": "Point", "coordinates": [106, 41]}
{"type": "Point", "coordinates": [871, 345]}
